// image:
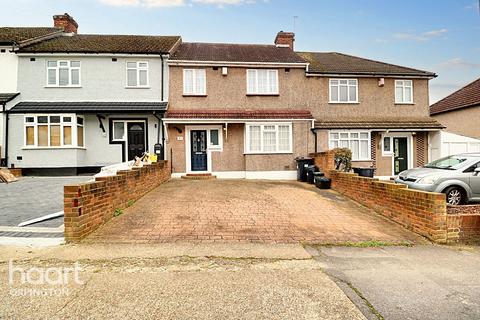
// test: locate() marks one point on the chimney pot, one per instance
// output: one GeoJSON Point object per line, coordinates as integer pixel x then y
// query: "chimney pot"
{"type": "Point", "coordinates": [66, 22]}
{"type": "Point", "coordinates": [285, 39]}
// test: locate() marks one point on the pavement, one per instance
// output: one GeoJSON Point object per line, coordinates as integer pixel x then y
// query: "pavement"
{"type": "Point", "coordinates": [33, 197]}
{"type": "Point", "coordinates": [174, 281]}
{"type": "Point", "coordinates": [249, 211]}
{"type": "Point", "coordinates": [420, 282]}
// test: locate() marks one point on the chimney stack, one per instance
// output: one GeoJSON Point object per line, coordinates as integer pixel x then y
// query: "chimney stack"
{"type": "Point", "coordinates": [285, 39]}
{"type": "Point", "coordinates": [66, 22]}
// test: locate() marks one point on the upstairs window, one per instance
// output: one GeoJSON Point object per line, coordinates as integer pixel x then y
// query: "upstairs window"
{"type": "Point", "coordinates": [50, 131]}
{"type": "Point", "coordinates": [343, 91]}
{"type": "Point", "coordinates": [269, 138]}
{"type": "Point", "coordinates": [137, 74]}
{"type": "Point", "coordinates": [63, 73]}
{"type": "Point", "coordinates": [262, 81]}
{"type": "Point", "coordinates": [194, 82]}
{"type": "Point", "coordinates": [403, 91]}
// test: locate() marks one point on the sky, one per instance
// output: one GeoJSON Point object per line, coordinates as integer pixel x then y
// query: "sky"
{"type": "Point", "coordinates": [442, 36]}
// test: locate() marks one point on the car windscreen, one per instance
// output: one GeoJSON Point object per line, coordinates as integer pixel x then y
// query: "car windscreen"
{"type": "Point", "coordinates": [450, 163]}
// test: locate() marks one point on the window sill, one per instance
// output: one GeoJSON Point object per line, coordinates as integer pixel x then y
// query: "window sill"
{"type": "Point", "coordinates": [194, 95]}
{"type": "Point", "coordinates": [62, 86]}
{"type": "Point", "coordinates": [263, 94]}
{"type": "Point", "coordinates": [335, 102]}
{"type": "Point", "coordinates": [361, 160]}
{"type": "Point", "coordinates": [54, 148]}
{"type": "Point", "coordinates": [405, 103]}
{"type": "Point", "coordinates": [147, 87]}
{"type": "Point", "coordinates": [268, 153]}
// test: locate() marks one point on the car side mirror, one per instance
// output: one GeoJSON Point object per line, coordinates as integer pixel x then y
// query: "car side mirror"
{"type": "Point", "coordinates": [476, 172]}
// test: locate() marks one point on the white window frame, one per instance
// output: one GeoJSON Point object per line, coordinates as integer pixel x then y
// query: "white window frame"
{"type": "Point", "coordinates": [262, 125]}
{"type": "Point", "coordinates": [73, 124]}
{"type": "Point", "coordinates": [387, 152]}
{"type": "Point", "coordinates": [194, 83]}
{"type": "Point", "coordinates": [124, 138]}
{"type": "Point", "coordinates": [338, 90]}
{"type": "Point", "coordinates": [137, 68]}
{"type": "Point", "coordinates": [57, 73]}
{"type": "Point", "coordinates": [401, 84]}
{"type": "Point", "coordinates": [219, 146]}
{"type": "Point", "coordinates": [349, 132]}
{"type": "Point", "coordinates": [256, 92]}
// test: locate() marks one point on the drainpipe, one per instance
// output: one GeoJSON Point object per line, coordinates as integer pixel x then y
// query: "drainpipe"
{"type": "Point", "coordinates": [6, 134]}
{"type": "Point", "coordinates": [160, 127]}
{"type": "Point", "coordinates": [163, 78]}
{"type": "Point", "coordinates": [314, 131]}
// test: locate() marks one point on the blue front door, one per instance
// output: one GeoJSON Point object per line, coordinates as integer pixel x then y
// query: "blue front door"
{"type": "Point", "coordinates": [198, 142]}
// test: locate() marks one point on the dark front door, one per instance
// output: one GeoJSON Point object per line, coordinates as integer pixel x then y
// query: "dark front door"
{"type": "Point", "coordinates": [198, 139]}
{"type": "Point", "coordinates": [400, 160]}
{"type": "Point", "coordinates": [135, 139]}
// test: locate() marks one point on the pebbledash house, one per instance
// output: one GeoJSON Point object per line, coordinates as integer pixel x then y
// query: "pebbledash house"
{"type": "Point", "coordinates": [247, 111]}
{"type": "Point", "coordinates": [227, 110]}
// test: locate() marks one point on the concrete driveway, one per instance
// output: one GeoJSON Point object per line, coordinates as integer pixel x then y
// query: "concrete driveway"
{"type": "Point", "coordinates": [247, 210]}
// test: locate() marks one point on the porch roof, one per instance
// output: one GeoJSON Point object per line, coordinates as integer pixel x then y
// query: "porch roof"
{"type": "Point", "coordinates": [88, 107]}
{"type": "Point", "coordinates": [425, 123]}
{"type": "Point", "coordinates": [6, 97]}
{"type": "Point", "coordinates": [239, 114]}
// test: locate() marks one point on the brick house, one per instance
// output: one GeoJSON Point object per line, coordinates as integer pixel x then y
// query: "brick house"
{"type": "Point", "coordinates": [378, 110]}
{"type": "Point", "coordinates": [87, 101]}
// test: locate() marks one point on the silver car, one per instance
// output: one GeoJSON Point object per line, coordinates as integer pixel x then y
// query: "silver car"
{"type": "Point", "coordinates": [457, 176]}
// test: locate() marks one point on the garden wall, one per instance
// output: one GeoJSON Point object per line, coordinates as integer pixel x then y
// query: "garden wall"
{"type": "Point", "coordinates": [465, 221]}
{"type": "Point", "coordinates": [89, 205]}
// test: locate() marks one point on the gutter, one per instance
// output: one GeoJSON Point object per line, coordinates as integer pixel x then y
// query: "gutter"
{"type": "Point", "coordinates": [371, 74]}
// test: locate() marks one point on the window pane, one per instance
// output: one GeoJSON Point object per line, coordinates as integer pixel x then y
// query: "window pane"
{"type": "Point", "coordinates": [142, 65]}
{"type": "Point", "coordinates": [131, 65]}
{"type": "Point", "coordinates": [352, 82]}
{"type": "Point", "coordinates": [79, 121]}
{"type": "Point", "coordinates": [30, 134]}
{"type": "Point", "coordinates": [55, 136]}
{"type": "Point", "coordinates": [52, 76]}
{"type": "Point", "coordinates": [344, 144]}
{"type": "Point", "coordinates": [272, 78]}
{"type": "Point", "coordinates": [75, 64]}
{"type": "Point", "coordinates": [251, 77]}
{"type": "Point", "coordinates": [334, 144]}
{"type": "Point", "coordinates": [398, 94]}
{"type": "Point", "coordinates": [67, 135]}
{"type": "Point", "coordinates": [333, 135]}
{"type": "Point", "coordinates": [118, 130]}
{"type": "Point", "coordinates": [255, 143]}
{"type": "Point", "coordinates": [363, 135]}
{"type": "Point", "coordinates": [343, 94]}
{"type": "Point", "coordinates": [131, 77]}
{"type": "Point", "coordinates": [200, 81]}
{"type": "Point", "coordinates": [269, 141]}
{"type": "Point", "coordinates": [214, 137]}
{"type": "Point", "coordinates": [143, 77]}
{"type": "Point", "coordinates": [283, 138]}
{"type": "Point", "coordinates": [51, 63]}
{"type": "Point", "coordinates": [42, 119]}
{"type": "Point", "coordinates": [344, 135]}
{"type": "Point", "coordinates": [354, 135]}
{"type": "Point", "coordinates": [188, 81]}
{"type": "Point", "coordinates": [42, 136]}
{"type": "Point", "coordinates": [67, 119]}
{"type": "Point", "coordinates": [75, 77]}
{"type": "Point", "coordinates": [354, 146]}
{"type": "Point", "coordinates": [262, 81]}
{"type": "Point", "coordinates": [386, 144]}
{"type": "Point", "coordinates": [364, 152]}
{"type": "Point", "coordinates": [408, 94]}
{"type": "Point", "coordinates": [352, 93]}
{"type": "Point", "coordinates": [29, 119]}
{"type": "Point", "coordinates": [334, 82]}
{"type": "Point", "coordinates": [334, 93]}
{"type": "Point", "coordinates": [63, 63]}
{"type": "Point", "coordinates": [54, 119]}
{"type": "Point", "coordinates": [80, 136]}
{"type": "Point", "coordinates": [63, 77]}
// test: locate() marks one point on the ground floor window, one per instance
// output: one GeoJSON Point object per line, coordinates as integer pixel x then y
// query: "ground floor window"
{"type": "Point", "coordinates": [53, 130]}
{"type": "Point", "coordinates": [268, 138]}
{"type": "Point", "coordinates": [357, 141]}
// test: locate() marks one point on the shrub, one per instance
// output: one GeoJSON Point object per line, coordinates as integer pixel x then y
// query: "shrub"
{"type": "Point", "coordinates": [343, 159]}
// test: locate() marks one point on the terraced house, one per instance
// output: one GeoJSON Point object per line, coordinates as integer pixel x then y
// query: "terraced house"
{"type": "Point", "coordinates": [87, 101]}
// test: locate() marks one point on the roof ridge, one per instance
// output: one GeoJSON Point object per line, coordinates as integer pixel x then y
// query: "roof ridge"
{"type": "Point", "coordinates": [456, 91]}
{"type": "Point", "coordinates": [232, 44]}
{"type": "Point", "coordinates": [124, 35]}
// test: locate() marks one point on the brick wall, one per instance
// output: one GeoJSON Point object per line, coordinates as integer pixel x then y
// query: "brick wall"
{"type": "Point", "coordinates": [464, 221]}
{"type": "Point", "coordinates": [424, 213]}
{"type": "Point", "coordinates": [325, 161]}
{"type": "Point", "coordinates": [89, 205]}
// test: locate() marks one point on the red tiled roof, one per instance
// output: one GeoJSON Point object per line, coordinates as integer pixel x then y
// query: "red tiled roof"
{"type": "Point", "coordinates": [229, 52]}
{"type": "Point", "coordinates": [239, 114]}
{"type": "Point", "coordinates": [386, 123]}
{"type": "Point", "coordinates": [22, 34]}
{"type": "Point", "coordinates": [468, 96]}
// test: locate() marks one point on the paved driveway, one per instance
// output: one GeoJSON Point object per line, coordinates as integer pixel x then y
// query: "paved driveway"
{"type": "Point", "coordinates": [33, 197]}
{"type": "Point", "coordinates": [246, 210]}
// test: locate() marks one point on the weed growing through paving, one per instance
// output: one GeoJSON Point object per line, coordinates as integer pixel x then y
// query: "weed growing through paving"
{"type": "Point", "coordinates": [117, 212]}
{"type": "Point", "coordinates": [130, 203]}
{"type": "Point", "coordinates": [369, 244]}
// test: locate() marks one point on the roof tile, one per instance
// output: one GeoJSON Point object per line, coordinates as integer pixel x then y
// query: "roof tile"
{"type": "Point", "coordinates": [22, 34]}
{"type": "Point", "coordinates": [468, 96]}
{"type": "Point", "coordinates": [239, 114]}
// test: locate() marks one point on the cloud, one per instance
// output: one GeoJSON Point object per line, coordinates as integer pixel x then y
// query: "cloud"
{"type": "Point", "coordinates": [144, 3]}
{"type": "Point", "coordinates": [425, 36]}
{"type": "Point", "coordinates": [473, 6]}
{"type": "Point", "coordinates": [224, 2]}
{"type": "Point", "coordinates": [460, 63]}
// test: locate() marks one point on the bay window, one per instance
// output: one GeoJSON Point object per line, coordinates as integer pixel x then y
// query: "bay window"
{"type": "Point", "coordinates": [50, 131]}
{"type": "Point", "coordinates": [343, 91]}
{"type": "Point", "coordinates": [194, 82]}
{"type": "Point", "coordinates": [357, 141]}
{"type": "Point", "coordinates": [262, 81]}
{"type": "Point", "coordinates": [63, 73]}
{"type": "Point", "coordinates": [403, 91]}
{"type": "Point", "coordinates": [268, 138]}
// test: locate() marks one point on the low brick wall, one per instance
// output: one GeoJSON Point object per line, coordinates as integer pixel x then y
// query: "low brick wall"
{"type": "Point", "coordinates": [325, 161]}
{"type": "Point", "coordinates": [465, 221]}
{"type": "Point", "coordinates": [89, 205]}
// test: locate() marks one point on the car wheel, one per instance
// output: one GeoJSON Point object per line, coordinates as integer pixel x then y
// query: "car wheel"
{"type": "Point", "coordinates": [455, 196]}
